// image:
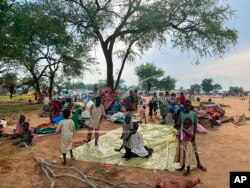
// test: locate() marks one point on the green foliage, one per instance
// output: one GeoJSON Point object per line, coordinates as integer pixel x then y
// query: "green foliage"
{"type": "Point", "coordinates": [148, 74]}
{"type": "Point", "coordinates": [217, 87]}
{"type": "Point", "coordinates": [167, 83]}
{"type": "Point", "coordinates": [8, 79]}
{"type": "Point", "coordinates": [192, 25]}
{"type": "Point", "coordinates": [195, 89]}
{"type": "Point", "coordinates": [236, 90]}
{"type": "Point", "coordinates": [207, 85]}
{"type": "Point", "coordinates": [9, 109]}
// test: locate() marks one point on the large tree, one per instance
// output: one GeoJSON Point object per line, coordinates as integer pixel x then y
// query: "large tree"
{"type": "Point", "coordinates": [42, 45]}
{"type": "Point", "coordinates": [167, 83]}
{"type": "Point", "coordinates": [148, 74]}
{"type": "Point", "coordinates": [207, 85]}
{"type": "Point", "coordinates": [197, 25]}
{"type": "Point", "coordinates": [195, 89]}
{"type": "Point", "coordinates": [216, 87]}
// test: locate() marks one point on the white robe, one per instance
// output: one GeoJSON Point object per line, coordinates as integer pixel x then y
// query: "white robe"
{"type": "Point", "coordinates": [137, 145]}
{"type": "Point", "coordinates": [66, 127]}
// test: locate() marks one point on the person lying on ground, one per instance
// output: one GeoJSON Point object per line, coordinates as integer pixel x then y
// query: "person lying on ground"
{"type": "Point", "coordinates": [67, 128]}
{"type": "Point", "coordinates": [26, 136]}
{"type": "Point", "coordinates": [185, 154]}
{"type": "Point", "coordinates": [188, 113]}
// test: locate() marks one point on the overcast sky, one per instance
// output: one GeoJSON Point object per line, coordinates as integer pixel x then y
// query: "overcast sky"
{"type": "Point", "coordinates": [231, 70]}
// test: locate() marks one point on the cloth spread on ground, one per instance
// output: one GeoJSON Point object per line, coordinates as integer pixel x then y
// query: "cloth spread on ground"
{"type": "Point", "coordinates": [44, 128]}
{"type": "Point", "coordinates": [160, 138]}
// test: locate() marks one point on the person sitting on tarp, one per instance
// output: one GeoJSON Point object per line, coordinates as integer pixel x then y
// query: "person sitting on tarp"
{"type": "Point", "coordinates": [79, 123]}
{"type": "Point", "coordinates": [137, 145]}
{"type": "Point", "coordinates": [26, 136]}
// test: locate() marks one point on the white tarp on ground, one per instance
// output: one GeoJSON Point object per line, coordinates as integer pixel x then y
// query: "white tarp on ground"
{"type": "Point", "coordinates": [160, 138]}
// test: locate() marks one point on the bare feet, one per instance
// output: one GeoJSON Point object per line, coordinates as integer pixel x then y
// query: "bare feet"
{"type": "Point", "coordinates": [73, 158]}
{"type": "Point", "coordinates": [201, 167]}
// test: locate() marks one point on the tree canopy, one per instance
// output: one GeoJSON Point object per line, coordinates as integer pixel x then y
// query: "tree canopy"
{"type": "Point", "coordinates": [195, 89]}
{"type": "Point", "coordinates": [148, 74]}
{"type": "Point", "coordinates": [167, 83]}
{"type": "Point", "coordinates": [235, 90]}
{"type": "Point", "coordinates": [207, 85]}
{"type": "Point", "coordinates": [128, 27]}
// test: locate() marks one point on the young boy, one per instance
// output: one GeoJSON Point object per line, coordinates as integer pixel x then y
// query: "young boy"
{"type": "Point", "coordinates": [26, 136]}
{"type": "Point", "coordinates": [66, 127]}
{"type": "Point", "coordinates": [143, 114]}
{"type": "Point", "coordinates": [191, 115]}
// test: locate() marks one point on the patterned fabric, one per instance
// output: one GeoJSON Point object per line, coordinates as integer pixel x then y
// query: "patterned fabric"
{"type": "Point", "coordinates": [185, 154]}
{"type": "Point", "coordinates": [108, 97]}
{"type": "Point", "coordinates": [66, 127]}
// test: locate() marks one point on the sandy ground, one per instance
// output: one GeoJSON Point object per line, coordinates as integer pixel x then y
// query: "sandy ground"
{"type": "Point", "coordinates": [222, 150]}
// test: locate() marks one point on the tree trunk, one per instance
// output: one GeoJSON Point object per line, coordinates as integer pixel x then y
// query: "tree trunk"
{"type": "Point", "coordinates": [38, 90]}
{"type": "Point", "coordinates": [51, 83]}
{"type": "Point", "coordinates": [110, 78]}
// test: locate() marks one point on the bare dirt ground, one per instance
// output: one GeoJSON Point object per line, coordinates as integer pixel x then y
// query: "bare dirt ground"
{"type": "Point", "coordinates": [222, 150]}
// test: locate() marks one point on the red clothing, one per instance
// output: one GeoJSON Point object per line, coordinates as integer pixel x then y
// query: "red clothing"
{"type": "Point", "coordinates": [184, 136]}
{"type": "Point", "coordinates": [182, 99]}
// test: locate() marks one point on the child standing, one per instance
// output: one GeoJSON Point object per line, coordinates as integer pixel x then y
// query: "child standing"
{"type": "Point", "coordinates": [143, 114]}
{"type": "Point", "coordinates": [188, 113]}
{"type": "Point", "coordinates": [151, 106]}
{"type": "Point", "coordinates": [96, 113]}
{"type": "Point", "coordinates": [126, 134]}
{"type": "Point", "coordinates": [66, 127]}
{"type": "Point", "coordinates": [26, 136]}
{"type": "Point", "coordinates": [185, 154]}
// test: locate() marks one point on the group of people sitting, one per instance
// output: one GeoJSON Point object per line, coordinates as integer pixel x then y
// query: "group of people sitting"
{"type": "Point", "coordinates": [22, 132]}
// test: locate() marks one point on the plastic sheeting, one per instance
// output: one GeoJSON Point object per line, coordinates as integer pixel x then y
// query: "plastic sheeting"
{"type": "Point", "coordinates": [159, 137]}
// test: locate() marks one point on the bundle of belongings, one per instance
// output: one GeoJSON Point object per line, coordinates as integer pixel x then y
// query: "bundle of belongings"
{"type": "Point", "coordinates": [210, 114]}
{"type": "Point", "coordinates": [117, 117]}
{"type": "Point", "coordinates": [108, 97]}
{"type": "Point", "coordinates": [111, 101]}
